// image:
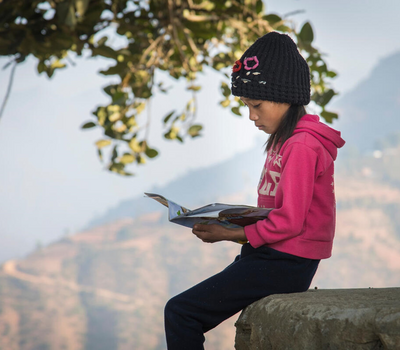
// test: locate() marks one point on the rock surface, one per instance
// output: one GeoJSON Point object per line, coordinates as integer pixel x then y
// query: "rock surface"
{"type": "Point", "coordinates": [322, 319]}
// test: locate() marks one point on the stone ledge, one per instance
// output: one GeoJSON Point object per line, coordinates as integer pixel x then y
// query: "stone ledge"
{"type": "Point", "coordinates": [341, 319]}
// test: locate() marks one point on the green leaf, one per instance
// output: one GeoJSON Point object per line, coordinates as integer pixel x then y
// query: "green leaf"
{"type": "Point", "coordinates": [104, 51]}
{"type": "Point", "coordinates": [131, 122]}
{"type": "Point", "coordinates": [169, 115]}
{"type": "Point", "coordinates": [88, 125]}
{"type": "Point", "coordinates": [40, 67]}
{"type": "Point", "coordinates": [272, 19]}
{"type": "Point", "coordinates": [241, 104]}
{"type": "Point", "coordinates": [331, 74]}
{"type": "Point", "coordinates": [116, 167]}
{"type": "Point", "coordinates": [103, 143]}
{"type": "Point", "coordinates": [226, 91]}
{"type": "Point", "coordinates": [100, 154]}
{"type": "Point", "coordinates": [194, 130]}
{"type": "Point", "coordinates": [114, 117]}
{"type": "Point", "coordinates": [63, 10]}
{"type": "Point", "coordinates": [125, 173]}
{"type": "Point", "coordinates": [329, 116]}
{"type": "Point", "coordinates": [208, 5]}
{"type": "Point", "coordinates": [127, 158]}
{"type": "Point", "coordinates": [114, 155]}
{"type": "Point", "coordinates": [108, 131]}
{"type": "Point", "coordinates": [283, 28]}
{"type": "Point", "coordinates": [151, 152]}
{"type": "Point", "coordinates": [102, 41]}
{"type": "Point", "coordinates": [194, 87]}
{"type": "Point", "coordinates": [190, 105]}
{"type": "Point", "coordinates": [219, 65]}
{"type": "Point", "coordinates": [134, 145]}
{"type": "Point", "coordinates": [119, 98]}
{"type": "Point", "coordinates": [306, 33]}
{"type": "Point", "coordinates": [140, 159]}
{"type": "Point", "coordinates": [140, 108]}
{"type": "Point", "coordinates": [321, 68]}
{"type": "Point", "coordinates": [326, 97]}
{"type": "Point", "coordinates": [259, 6]}
{"type": "Point", "coordinates": [70, 19]}
{"type": "Point", "coordinates": [49, 71]}
{"type": "Point", "coordinates": [225, 103]}
{"type": "Point", "coordinates": [168, 136]}
{"type": "Point", "coordinates": [111, 89]}
{"type": "Point", "coordinates": [113, 70]}
{"type": "Point", "coordinates": [236, 111]}
{"type": "Point", "coordinates": [101, 114]}
{"type": "Point", "coordinates": [81, 6]}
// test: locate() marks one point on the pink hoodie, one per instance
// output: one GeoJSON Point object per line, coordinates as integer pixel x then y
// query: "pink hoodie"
{"type": "Point", "coordinates": [298, 182]}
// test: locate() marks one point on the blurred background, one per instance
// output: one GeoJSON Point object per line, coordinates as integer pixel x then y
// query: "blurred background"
{"type": "Point", "coordinates": [88, 262]}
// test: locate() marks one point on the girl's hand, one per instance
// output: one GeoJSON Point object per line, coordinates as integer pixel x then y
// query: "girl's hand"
{"type": "Point", "coordinates": [216, 233]}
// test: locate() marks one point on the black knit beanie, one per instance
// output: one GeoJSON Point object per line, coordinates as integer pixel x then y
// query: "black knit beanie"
{"type": "Point", "coordinates": [272, 69]}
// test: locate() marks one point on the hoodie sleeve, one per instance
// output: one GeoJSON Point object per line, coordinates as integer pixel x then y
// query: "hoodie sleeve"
{"type": "Point", "coordinates": [293, 198]}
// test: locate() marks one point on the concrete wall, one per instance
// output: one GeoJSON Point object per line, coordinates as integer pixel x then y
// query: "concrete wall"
{"type": "Point", "coordinates": [322, 319]}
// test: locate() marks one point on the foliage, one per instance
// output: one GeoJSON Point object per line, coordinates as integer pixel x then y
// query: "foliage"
{"type": "Point", "coordinates": [180, 37]}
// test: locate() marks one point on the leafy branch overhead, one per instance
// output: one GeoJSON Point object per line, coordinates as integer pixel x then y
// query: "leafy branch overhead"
{"type": "Point", "coordinates": [180, 37]}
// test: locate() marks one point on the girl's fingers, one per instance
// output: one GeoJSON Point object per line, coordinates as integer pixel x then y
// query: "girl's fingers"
{"type": "Point", "coordinates": [206, 228]}
{"type": "Point", "coordinates": [203, 235]}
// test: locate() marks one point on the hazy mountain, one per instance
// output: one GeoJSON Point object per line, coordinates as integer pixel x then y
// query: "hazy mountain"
{"type": "Point", "coordinates": [371, 111]}
{"type": "Point", "coordinates": [105, 288]}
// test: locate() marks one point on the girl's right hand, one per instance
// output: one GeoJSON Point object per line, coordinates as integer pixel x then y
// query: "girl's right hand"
{"type": "Point", "coordinates": [216, 233]}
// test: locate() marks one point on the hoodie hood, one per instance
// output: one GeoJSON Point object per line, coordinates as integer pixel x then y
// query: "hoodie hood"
{"type": "Point", "coordinates": [329, 137]}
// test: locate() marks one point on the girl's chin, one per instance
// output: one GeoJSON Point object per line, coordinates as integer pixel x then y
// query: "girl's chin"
{"type": "Point", "coordinates": [264, 129]}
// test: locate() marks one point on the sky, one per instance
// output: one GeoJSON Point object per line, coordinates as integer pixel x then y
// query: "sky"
{"type": "Point", "coordinates": [51, 181]}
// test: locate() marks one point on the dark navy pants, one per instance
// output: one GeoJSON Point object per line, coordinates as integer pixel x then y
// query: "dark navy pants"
{"type": "Point", "coordinates": [255, 273]}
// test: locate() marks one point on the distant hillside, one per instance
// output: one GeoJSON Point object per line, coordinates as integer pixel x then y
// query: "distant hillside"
{"type": "Point", "coordinates": [371, 111]}
{"type": "Point", "coordinates": [367, 244]}
{"type": "Point", "coordinates": [105, 289]}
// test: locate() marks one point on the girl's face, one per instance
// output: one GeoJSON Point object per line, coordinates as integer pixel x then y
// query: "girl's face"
{"type": "Point", "coordinates": [266, 115]}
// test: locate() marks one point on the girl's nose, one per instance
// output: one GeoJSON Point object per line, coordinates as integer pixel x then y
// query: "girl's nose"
{"type": "Point", "coordinates": [252, 116]}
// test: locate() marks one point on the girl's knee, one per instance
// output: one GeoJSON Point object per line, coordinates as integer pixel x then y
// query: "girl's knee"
{"type": "Point", "coordinates": [172, 307]}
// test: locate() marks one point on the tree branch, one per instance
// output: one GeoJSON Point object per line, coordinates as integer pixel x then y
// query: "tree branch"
{"type": "Point", "coordinates": [185, 64]}
{"type": "Point", "coordinates": [8, 88]}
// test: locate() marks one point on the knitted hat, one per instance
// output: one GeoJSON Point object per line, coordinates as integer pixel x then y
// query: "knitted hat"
{"type": "Point", "coordinates": [272, 69]}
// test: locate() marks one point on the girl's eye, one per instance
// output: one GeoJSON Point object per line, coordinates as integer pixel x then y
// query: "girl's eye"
{"type": "Point", "coordinates": [256, 106]}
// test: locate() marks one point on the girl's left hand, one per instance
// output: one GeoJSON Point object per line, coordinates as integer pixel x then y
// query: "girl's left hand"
{"type": "Point", "coordinates": [216, 233]}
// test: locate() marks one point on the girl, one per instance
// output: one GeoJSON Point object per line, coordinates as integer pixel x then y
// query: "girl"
{"type": "Point", "coordinates": [283, 251]}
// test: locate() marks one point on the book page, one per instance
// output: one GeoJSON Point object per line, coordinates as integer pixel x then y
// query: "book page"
{"type": "Point", "coordinates": [189, 221]}
{"type": "Point", "coordinates": [174, 209]}
{"type": "Point", "coordinates": [227, 215]}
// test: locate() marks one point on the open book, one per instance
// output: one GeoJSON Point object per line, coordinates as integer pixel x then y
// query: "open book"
{"type": "Point", "coordinates": [224, 214]}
